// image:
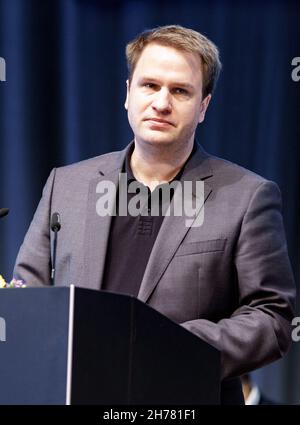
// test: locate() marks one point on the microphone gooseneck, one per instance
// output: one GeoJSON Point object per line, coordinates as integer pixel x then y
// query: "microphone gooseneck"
{"type": "Point", "coordinates": [55, 227]}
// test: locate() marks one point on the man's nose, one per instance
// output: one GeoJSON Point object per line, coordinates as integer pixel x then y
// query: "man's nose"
{"type": "Point", "coordinates": [162, 101]}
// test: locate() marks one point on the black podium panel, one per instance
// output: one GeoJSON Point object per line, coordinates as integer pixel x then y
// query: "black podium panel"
{"type": "Point", "coordinates": [101, 350]}
{"type": "Point", "coordinates": [171, 365]}
{"type": "Point", "coordinates": [78, 346]}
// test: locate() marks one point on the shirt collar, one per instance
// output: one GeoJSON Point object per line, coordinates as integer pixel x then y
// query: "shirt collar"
{"type": "Point", "coordinates": [128, 170]}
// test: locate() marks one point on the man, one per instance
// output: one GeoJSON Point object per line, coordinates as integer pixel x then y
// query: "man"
{"type": "Point", "coordinates": [252, 394]}
{"type": "Point", "coordinates": [228, 280]}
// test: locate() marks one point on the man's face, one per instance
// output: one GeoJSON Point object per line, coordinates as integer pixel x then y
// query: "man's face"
{"type": "Point", "coordinates": [164, 99]}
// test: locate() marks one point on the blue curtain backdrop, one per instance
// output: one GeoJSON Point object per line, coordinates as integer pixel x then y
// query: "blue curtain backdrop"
{"type": "Point", "coordinates": [63, 99]}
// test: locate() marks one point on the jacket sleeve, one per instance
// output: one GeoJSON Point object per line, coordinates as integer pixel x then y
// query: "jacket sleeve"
{"type": "Point", "coordinates": [259, 330]}
{"type": "Point", "coordinates": [33, 263]}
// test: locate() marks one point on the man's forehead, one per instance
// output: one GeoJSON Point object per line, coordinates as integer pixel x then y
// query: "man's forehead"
{"type": "Point", "coordinates": [153, 48]}
{"type": "Point", "coordinates": [155, 56]}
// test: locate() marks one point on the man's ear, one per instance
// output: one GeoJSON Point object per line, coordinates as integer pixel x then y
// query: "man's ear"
{"type": "Point", "coordinates": [127, 95]}
{"type": "Point", "coordinates": [203, 107]}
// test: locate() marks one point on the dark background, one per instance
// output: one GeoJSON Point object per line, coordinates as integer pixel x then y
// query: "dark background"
{"type": "Point", "coordinates": [65, 90]}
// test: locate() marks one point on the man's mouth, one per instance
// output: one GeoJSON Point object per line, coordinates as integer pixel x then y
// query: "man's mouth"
{"type": "Point", "coordinates": [159, 121]}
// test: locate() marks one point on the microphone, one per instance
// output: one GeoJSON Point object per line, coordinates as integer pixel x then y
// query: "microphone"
{"type": "Point", "coordinates": [55, 222]}
{"type": "Point", "coordinates": [3, 212]}
{"type": "Point", "coordinates": [55, 227]}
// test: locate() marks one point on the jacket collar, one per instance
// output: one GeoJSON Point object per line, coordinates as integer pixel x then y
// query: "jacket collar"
{"type": "Point", "coordinates": [198, 167]}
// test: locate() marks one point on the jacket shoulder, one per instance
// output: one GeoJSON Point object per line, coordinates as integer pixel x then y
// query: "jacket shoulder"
{"type": "Point", "coordinates": [228, 172]}
{"type": "Point", "coordinates": [92, 166]}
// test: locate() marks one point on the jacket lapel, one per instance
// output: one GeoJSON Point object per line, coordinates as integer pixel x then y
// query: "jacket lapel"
{"type": "Point", "coordinates": [97, 227]}
{"type": "Point", "coordinates": [174, 228]}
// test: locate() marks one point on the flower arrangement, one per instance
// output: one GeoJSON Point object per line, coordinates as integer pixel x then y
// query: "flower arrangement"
{"type": "Point", "coordinates": [14, 283]}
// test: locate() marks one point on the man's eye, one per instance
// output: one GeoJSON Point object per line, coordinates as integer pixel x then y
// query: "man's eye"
{"type": "Point", "coordinates": [179, 90]}
{"type": "Point", "coordinates": [149, 85]}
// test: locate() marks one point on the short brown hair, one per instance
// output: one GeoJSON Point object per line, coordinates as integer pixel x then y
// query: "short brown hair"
{"type": "Point", "coordinates": [180, 38]}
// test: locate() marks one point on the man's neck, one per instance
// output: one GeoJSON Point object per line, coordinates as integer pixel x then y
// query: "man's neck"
{"type": "Point", "coordinates": [151, 167]}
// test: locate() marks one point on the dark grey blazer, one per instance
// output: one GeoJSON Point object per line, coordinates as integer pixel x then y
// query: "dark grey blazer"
{"type": "Point", "coordinates": [228, 281]}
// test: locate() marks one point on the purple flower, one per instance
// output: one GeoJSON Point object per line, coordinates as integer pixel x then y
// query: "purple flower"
{"type": "Point", "coordinates": [14, 283]}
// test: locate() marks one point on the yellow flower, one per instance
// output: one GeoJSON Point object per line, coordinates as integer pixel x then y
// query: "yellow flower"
{"type": "Point", "coordinates": [2, 282]}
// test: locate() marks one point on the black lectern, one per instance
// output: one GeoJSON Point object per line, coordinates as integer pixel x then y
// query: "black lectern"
{"type": "Point", "coordinates": [78, 346]}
